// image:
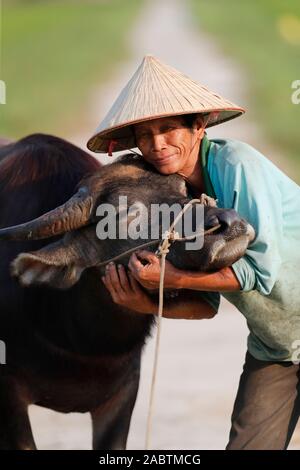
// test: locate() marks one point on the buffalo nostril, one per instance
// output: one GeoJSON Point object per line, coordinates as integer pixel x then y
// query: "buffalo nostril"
{"type": "Point", "coordinates": [228, 218]}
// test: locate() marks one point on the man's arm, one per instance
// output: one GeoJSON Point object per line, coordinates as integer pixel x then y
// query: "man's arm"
{"type": "Point", "coordinates": [221, 281]}
{"type": "Point", "coordinates": [128, 293]}
{"type": "Point", "coordinates": [187, 308]}
{"type": "Point", "coordinates": [148, 275]}
{"type": "Point", "coordinates": [248, 184]}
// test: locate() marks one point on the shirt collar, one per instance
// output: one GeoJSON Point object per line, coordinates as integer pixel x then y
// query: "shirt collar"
{"type": "Point", "coordinates": [204, 152]}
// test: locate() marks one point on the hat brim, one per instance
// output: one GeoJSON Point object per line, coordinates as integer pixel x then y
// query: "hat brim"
{"type": "Point", "coordinates": [123, 135]}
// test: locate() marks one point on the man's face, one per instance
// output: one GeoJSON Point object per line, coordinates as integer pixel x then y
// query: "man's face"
{"type": "Point", "coordinates": [166, 143]}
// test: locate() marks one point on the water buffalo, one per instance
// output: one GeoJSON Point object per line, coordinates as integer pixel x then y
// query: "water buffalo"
{"type": "Point", "coordinates": [69, 347]}
{"type": "Point", "coordinates": [4, 149]}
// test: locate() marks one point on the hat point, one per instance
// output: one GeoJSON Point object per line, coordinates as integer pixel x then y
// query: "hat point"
{"type": "Point", "coordinates": [149, 58]}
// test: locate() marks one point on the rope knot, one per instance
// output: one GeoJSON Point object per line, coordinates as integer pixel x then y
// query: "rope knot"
{"type": "Point", "coordinates": [163, 249]}
{"type": "Point", "coordinates": [170, 235]}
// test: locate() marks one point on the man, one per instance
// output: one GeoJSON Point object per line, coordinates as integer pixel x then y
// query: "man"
{"type": "Point", "coordinates": [164, 114]}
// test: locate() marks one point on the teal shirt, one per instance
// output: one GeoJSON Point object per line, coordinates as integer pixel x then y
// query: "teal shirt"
{"type": "Point", "coordinates": [269, 273]}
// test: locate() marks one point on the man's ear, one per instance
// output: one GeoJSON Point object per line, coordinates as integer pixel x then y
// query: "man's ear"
{"type": "Point", "coordinates": [198, 127]}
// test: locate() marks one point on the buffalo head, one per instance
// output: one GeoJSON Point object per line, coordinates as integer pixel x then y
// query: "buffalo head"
{"type": "Point", "coordinates": [61, 263]}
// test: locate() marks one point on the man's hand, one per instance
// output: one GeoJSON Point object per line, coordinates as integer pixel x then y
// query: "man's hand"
{"type": "Point", "coordinates": [148, 275]}
{"type": "Point", "coordinates": [126, 291]}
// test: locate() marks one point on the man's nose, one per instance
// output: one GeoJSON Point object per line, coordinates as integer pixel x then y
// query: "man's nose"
{"type": "Point", "coordinates": [158, 142]}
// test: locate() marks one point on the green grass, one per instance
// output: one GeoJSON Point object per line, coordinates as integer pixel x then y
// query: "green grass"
{"type": "Point", "coordinates": [53, 53]}
{"type": "Point", "coordinates": [267, 43]}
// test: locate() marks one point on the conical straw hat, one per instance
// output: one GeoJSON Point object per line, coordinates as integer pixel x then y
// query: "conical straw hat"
{"type": "Point", "coordinates": [157, 90]}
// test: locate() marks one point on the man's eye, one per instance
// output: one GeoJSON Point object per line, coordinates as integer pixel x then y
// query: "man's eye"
{"type": "Point", "coordinates": [143, 135]}
{"type": "Point", "coordinates": [168, 128]}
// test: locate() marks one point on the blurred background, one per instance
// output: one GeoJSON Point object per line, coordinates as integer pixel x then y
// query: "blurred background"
{"type": "Point", "coordinates": [64, 63]}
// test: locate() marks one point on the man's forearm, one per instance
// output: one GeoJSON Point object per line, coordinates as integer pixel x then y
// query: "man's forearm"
{"type": "Point", "coordinates": [189, 309]}
{"type": "Point", "coordinates": [223, 280]}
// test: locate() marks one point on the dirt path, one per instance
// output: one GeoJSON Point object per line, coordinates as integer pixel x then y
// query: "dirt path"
{"type": "Point", "coordinates": [200, 362]}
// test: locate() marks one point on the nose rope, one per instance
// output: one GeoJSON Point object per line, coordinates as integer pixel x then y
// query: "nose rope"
{"type": "Point", "coordinates": [168, 238]}
{"type": "Point", "coordinates": [162, 251]}
{"type": "Point", "coordinates": [169, 234]}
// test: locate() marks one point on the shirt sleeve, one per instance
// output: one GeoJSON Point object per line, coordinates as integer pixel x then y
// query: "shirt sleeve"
{"type": "Point", "coordinates": [250, 190]}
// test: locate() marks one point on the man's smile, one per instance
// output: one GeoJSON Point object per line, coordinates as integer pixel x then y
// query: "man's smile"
{"type": "Point", "coordinates": [164, 159]}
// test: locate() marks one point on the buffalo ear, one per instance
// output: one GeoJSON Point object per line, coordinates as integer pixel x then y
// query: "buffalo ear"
{"type": "Point", "coordinates": [37, 268]}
